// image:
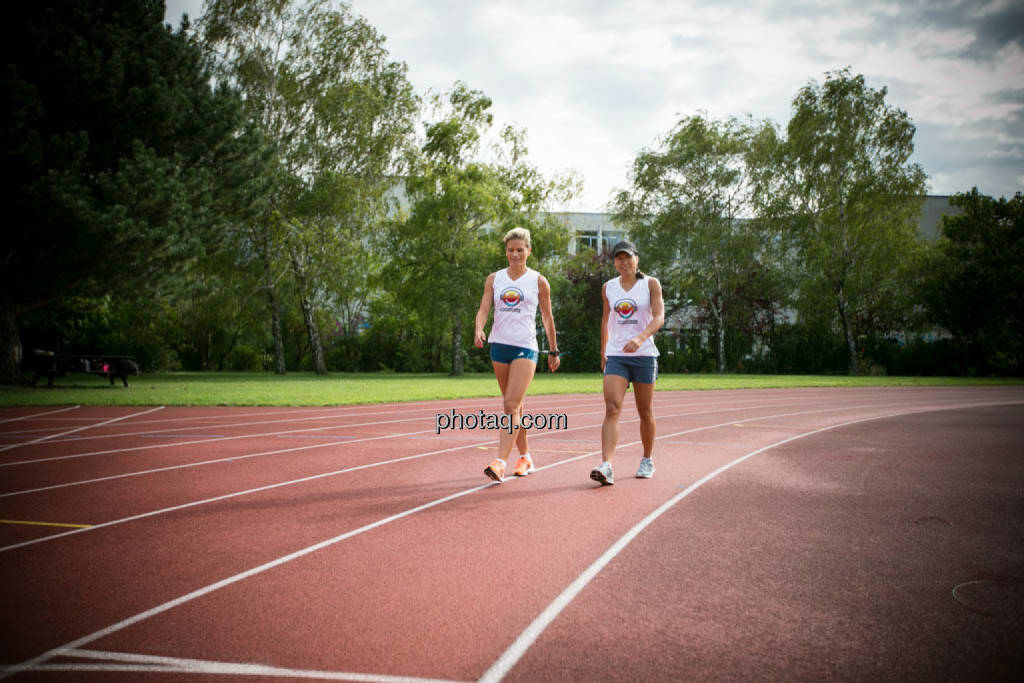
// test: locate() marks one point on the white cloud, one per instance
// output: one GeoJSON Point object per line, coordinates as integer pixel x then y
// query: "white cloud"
{"type": "Point", "coordinates": [594, 81]}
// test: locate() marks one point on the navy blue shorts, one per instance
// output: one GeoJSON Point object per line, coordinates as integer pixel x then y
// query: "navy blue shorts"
{"type": "Point", "coordinates": [636, 369]}
{"type": "Point", "coordinates": [506, 353]}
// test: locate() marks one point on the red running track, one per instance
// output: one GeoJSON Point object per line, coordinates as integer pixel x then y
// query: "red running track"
{"type": "Point", "coordinates": [854, 534]}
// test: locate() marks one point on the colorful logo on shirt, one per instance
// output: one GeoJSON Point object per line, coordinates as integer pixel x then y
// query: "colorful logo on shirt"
{"type": "Point", "coordinates": [512, 296]}
{"type": "Point", "coordinates": [625, 308]}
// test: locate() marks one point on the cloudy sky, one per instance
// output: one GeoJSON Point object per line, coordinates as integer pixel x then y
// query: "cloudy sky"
{"type": "Point", "coordinates": [595, 81]}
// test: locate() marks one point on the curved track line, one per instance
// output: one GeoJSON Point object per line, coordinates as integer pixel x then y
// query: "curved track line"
{"type": "Point", "coordinates": [188, 597]}
{"type": "Point", "coordinates": [253, 455]}
{"type": "Point", "coordinates": [526, 639]}
{"type": "Point", "coordinates": [361, 467]}
{"type": "Point", "coordinates": [531, 633]}
{"type": "Point", "coordinates": [131, 662]}
{"type": "Point", "coordinates": [232, 458]}
{"type": "Point", "coordinates": [405, 458]}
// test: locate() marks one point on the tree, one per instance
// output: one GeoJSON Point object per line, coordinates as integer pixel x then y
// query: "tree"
{"type": "Point", "coordinates": [119, 157]}
{"type": "Point", "coordinates": [855, 197]}
{"type": "Point", "coordinates": [575, 299]}
{"type": "Point", "coordinates": [975, 285]}
{"type": "Point", "coordinates": [318, 81]}
{"type": "Point", "coordinates": [686, 211]}
{"type": "Point", "coordinates": [439, 255]}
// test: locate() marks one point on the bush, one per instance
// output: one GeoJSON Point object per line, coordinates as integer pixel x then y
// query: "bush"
{"type": "Point", "coordinates": [683, 354]}
{"type": "Point", "coordinates": [245, 358]}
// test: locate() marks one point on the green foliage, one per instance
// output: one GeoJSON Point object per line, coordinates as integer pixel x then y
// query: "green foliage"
{"type": "Point", "coordinates": [319, 82]}
{"type": "Point", "coordinates": [688, 211]}
{"type": "Point", "coordinates": [148, 329]}
{"type": "Point", "coordinates": [845, 174]}
{"type": "Point", "coordinates": [118, 155]}
{"type": "Point", "coordinates": [975, 283]}
{"type": "Point", "coordinates": [155, 215]}
{"type": "Point", "coordinates": [684, 353]}
{"type": "Point", "coordinates": [439, 255]}
{"type": "Point", "coordinates": [576, 300]}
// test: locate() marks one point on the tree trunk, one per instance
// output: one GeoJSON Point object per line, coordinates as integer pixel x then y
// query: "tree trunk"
{"type": "Point", "coordinates": [319, 365]}
{"type": "Point", "coordinates": [308, 316]}
{"type": "Point", "coordinates": [717, 311]}
{"type": "Point", "coordinates": [10, 353]}
{"type": "Point", "coordinates": [457, 365]}
{"type": "Point", "coordinates": [851, 341]}
{"type": "Point", "coordinates": [275, 317]}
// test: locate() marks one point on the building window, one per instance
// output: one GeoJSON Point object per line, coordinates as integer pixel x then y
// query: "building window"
{"type": "Point", "coordinates": [598, 240]}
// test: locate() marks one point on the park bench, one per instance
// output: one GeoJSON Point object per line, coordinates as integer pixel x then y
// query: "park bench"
{"type": "Point", "coordinates": [59, 364]}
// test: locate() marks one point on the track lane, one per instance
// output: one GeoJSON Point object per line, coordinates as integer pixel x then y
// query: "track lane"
{"type": "Point", "coordinates": [548, 494]}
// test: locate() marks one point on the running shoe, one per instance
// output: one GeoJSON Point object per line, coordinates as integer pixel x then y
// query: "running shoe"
{"type": "Point", "coordinates": [496, 470]}
{"type": "Point", "coordinates": [603, 474]}
{"type": "Point", "coordinates": [524, 466]}
{"type": "Point", "coordinates": [646, 470]}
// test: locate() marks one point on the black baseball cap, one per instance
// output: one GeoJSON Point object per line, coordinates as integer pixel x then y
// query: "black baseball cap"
{"type": "Point", "coordinates": [626, 246]}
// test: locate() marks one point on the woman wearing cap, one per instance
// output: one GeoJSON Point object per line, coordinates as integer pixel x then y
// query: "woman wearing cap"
{"type": "Point", "coordinates": [633, 310]}
{"type": "Point", "coordinates": [515, 292]}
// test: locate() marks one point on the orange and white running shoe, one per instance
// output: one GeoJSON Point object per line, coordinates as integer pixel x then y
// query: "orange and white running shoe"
{"type": "Point", "coordinates": [524, 466]}
{"type": "Point", "coordinates": [496, 470]}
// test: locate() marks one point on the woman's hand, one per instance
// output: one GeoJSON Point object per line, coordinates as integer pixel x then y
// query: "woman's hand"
{"type": "Point", "coordinates": [553, 362]}
{"type": "Point", "coordinates": [633, 344]}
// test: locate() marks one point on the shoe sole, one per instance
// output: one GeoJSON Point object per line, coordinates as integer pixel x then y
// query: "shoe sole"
{"type": "Point", "coordinates": [598, 476]}
{"type": "Point", "coordinates": [523, 474]}
{"type": "Point", "coordinates": [645, 476]}
{"type": "Point", "coordinates": [492, 474]}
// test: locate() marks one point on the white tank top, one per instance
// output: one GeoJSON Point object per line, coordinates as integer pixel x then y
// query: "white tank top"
{"type": "Point", "coordinates": [515, 309]}
{"type": "Point", "coordinates": [628, 315]}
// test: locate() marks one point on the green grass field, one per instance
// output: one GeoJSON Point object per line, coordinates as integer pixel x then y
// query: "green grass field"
{"type": "Point", "coordinates": [306, 389]}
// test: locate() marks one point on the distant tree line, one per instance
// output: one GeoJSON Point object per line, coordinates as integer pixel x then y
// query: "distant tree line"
{"type": "Point", "coordinates": [222, 196]}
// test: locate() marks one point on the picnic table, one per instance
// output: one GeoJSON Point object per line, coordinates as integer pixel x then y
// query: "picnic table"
{"type": "Point", "coordinates": [59, 364]}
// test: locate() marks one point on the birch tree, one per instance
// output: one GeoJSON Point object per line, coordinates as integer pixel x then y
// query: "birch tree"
{"type": "Point", "coordinates": [686, 209]}
{"type": "Point", "coordinates": [855, 196]}
{"type": "Point", "coordinates": [322, 87]}
{"type": "Point", "coordinates": [464, 193]}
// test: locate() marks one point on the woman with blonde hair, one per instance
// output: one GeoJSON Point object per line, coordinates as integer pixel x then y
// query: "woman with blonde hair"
{"type": "Point", "coordinates": [515, 293]}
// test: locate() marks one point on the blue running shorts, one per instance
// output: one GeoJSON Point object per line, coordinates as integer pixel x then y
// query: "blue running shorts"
{"type": "Point", "coordinates": [506, 353]}
{"type": "Point", "coordinates": [636, 369]}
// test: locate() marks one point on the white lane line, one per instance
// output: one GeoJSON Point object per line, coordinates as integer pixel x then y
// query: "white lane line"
{"type": "Point", "coordinates": [102, 525]}
{"type": "Point", "coordinates": [531, 633]}
{"type": "Point", "coordinates": [33, 461]}
{"type": "Point", "coordinates": [335, 413]}
{"type": "Point", "coordinates": [78, 429]}
{"type": "Point", "coordinates": [365, 466]}
{"type": "Point", "coordinates": [226, 496]}
{"type": "Point", "coordinates": [495, 670]}
{"type": "Point", "coordinates": [342, 443]}
{"type": "Point", "coordinates": [35, 415]}
{"type": "Point", "coordinates": [467, 446]}
{"type": "Point", "coordinates": [188, 597]}
{"type": "Point", "coordinates": [232, 458]}
{"type": "Point", "coordinates": [126, 661]}
{"type": "Point", "coordinates": [176, 444]}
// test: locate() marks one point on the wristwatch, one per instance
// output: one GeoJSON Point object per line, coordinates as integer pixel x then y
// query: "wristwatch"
{"type": "Point", "coordinates": [554, 353]}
